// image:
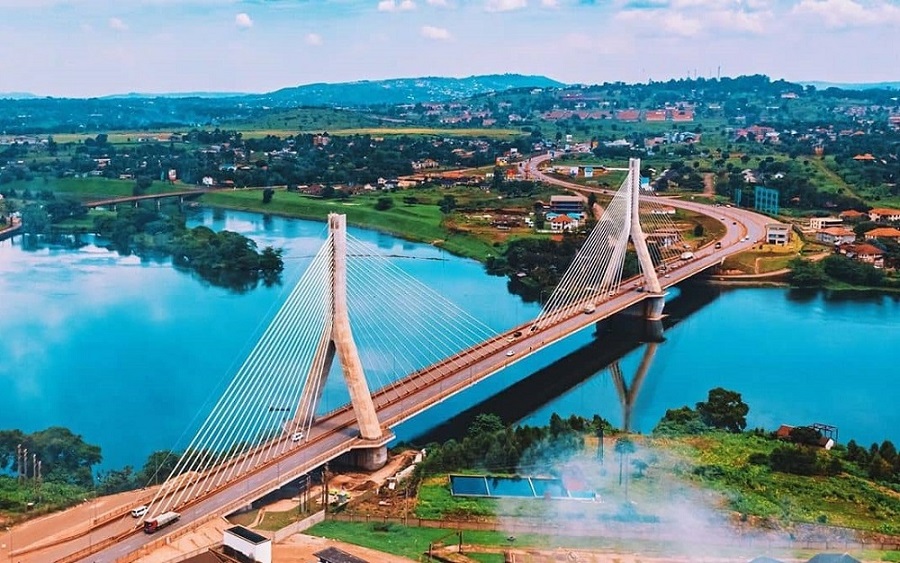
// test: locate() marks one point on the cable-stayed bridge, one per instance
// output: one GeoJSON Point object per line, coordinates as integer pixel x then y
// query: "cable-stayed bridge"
{"type": "Point", "coordinates": [402, 347]}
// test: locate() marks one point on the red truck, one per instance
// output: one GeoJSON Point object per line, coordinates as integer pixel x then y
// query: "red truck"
{"type": "Point", "coordinates": [153, 524]}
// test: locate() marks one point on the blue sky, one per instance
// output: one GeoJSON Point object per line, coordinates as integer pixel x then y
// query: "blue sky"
{"type": "Point", "coordinates": [97, 47]}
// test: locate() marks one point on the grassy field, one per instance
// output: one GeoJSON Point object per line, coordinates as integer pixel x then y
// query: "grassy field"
{"type": "Point", "coordinates": [420, 222]}
{"type": "Point", "coordinates": [765, 258]}
{"type": "Point", "coordinates": [413, 542]}
{"type": "Point", "coordinates": [845, 500]}
{"type": "Point", "coordinates": [248, 132]}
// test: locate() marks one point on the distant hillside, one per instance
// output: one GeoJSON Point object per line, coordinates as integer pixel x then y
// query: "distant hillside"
{"type": "Point", "coordinates": [402, 90]}
{"type": "Point", "coordinates": [141, 95]}
{"type": "Point", "coordinates": [16, 96]}
{"type": "Point", "coordinates": [855, 86]}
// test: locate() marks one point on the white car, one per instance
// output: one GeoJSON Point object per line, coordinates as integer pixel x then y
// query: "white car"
{"type": "Point", "coordinates": [510, 353]}
{"type": "Point", "coordinates": [139, 511]}
{"type": "Point", "coordinates": [297, 436]}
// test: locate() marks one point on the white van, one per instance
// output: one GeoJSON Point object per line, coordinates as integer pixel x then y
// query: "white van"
{"type": "Point", "coordinates": [139, 511]}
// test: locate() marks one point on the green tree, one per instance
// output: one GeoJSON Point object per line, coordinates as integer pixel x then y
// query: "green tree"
{"type": "Point", "coordinates": [485, 423]}
{"type": "Point", "coordinates": [684, 420]}
{"type": "Point", "coordinates": [157, 468]}
{"type": "Point", "coordinates": [447, 204]}
{"type": "Point", "coordinates": [724, 409]}
{"type": "Point", "coordinates": [142, 185]}
{"type": "Point", "coordinates": [65, 456]}
{"type": "Point", "coordinates": [35, 220]}
{"type": "Point", "coordinates": [384, 203]}
{"type": "Point", "coordinates": [116, 481]}
{"type": "Point", "coordinates": [267, 195]}
{"type": "Point", "coordinates": [805, 273]}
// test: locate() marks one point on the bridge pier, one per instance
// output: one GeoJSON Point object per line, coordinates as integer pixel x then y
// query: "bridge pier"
{"type": "Point", "coordinates": [367, 459]}
{"type": "Point", "coordinates": [653, 307]}
{"type": "Point", "coordinates": [653, 331]}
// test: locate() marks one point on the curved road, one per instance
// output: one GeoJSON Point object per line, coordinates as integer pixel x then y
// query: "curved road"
{"type": "Point", "coordinates": [336, 433]}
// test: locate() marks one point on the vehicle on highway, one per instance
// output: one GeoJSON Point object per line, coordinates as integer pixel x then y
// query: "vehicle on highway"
{"type": "Point", "coordinates": [718, 245]}
{"type": "Point", "coordinates": [510, 353]}
{"type": "Point", "coordinates": [151, 525]}
{"type": "Point", "coordinates": [297, 436]}
{"type": "Point", "coordinates": [667, 276]}
{"type": "Point", "coordinates": [687, 255]}
{"type": "Point", "coordinates": [589, 308]}
{"type": "Point", "coordinates": [139, 511]}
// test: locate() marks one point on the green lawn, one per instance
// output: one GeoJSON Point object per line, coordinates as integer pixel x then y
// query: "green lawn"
{"type": "Point", "coordinates": [420, 222]}
{"type": "Point", "coordinates": [413, 542]}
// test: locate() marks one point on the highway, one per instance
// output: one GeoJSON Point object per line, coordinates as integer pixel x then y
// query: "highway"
{"type": "Point", "coordinates": [335, 433]}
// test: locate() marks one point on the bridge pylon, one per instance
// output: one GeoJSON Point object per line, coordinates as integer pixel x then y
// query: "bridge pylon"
{"type": "Point", "coordinates": [655, 301]}
{"type": "Point", "coordinates": [337, 339]}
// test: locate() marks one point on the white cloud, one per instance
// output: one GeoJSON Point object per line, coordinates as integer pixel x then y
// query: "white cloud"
{"type": "Point", "coordinates": [438, 33]}
{"type": "Point", "coordinates": [849, 13]}
{"type": "Point", "coordinates": [117, 24]}
{"type": "Point", "coordinates": [243, 21]}
{"type": "Point", "coordinates": [313, 39]}
{"type": "Point", "coordinates": [438, 3]}
{"type": "Point", "coordinates": [683, 25]}
{"type": "Point", "coordinates": [393, 6]}
{"type": "Point", "coordinates": [550, 3]}
{"type": "Point", "coordinates": [505, 5]}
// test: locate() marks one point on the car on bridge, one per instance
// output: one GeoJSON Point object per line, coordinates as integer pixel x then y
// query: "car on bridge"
{"type": "Point", "coordinates": [297, 436]}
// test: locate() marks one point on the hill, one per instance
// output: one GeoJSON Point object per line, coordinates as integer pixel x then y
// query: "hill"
{"type": "Point", "coordinates": [402, 90]}
{"type": "Point", "coordinates": [855, 85]}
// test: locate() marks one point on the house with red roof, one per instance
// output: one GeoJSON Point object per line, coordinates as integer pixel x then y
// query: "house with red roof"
{"type": "Point", "coordinates": [889, 233]}
{"type": "Point", "coordinates": [852, 215]}
{"type": "Point", "coordinates": [865, 253]}
{"type": "Point", "coordinates": [884, 214]}
{"type": "Point", "coordinates": [835, 235]}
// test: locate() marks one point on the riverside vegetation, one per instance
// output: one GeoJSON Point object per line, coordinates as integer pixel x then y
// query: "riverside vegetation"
{"type": "Point", "coordinates": [771, 481]}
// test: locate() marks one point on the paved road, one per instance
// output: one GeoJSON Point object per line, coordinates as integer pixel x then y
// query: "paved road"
{"type": "Point", "coordinates": [336, 433]}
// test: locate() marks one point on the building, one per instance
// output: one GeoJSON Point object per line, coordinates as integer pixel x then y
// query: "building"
{"type": "Point", "coordinates": [835, 235]}
{"type": "Point", "coordinates": [562, 223]}
{"type": "Point", "coordinates": [335, 555]}
{"type": "Point", "coordinates": [566, 204]}
{"type": "Point", "coordinates": [778, 233]}
{"type": "Point", "coordinates": [865, 253]}
{"type": "Point", "coordinates": [889, 233]}
{"type": "Point", "coordinates": [253, 546]}
{"type": "Point", "coordinates": [819, 223]}
{"type": "Point", "coordinates": [852, 215]}
{"type": "Point", "coordinates": [884, 214]}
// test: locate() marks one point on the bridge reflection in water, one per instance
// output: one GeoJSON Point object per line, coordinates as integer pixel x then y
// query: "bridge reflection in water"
{"type": "Point", "coordinates": [547, 388]}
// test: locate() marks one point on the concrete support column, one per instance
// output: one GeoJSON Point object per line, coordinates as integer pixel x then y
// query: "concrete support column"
{"type": "Point", "coordinates": [637, 234]}
{"type": "Point", "coordinates": [360, 397]}
{"type": "Point", "coordinates": [653, 307]}
{"type": "Point", "coordinates": [656, 298]}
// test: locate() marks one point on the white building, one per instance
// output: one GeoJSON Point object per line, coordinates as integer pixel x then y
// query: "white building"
{"type": "Point", "coordinates": [778, 233]}
{"type": "Point", "coordinates": [818, 223]}
{"type": "Point", "coordinates": [256, 547]}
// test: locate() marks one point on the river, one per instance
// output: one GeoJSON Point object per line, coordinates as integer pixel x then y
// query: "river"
{"type": "Point", "coordinates": [131, 354]}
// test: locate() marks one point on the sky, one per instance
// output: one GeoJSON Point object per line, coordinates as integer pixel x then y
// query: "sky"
{"type": "Point", "coordinates": [85, 48]}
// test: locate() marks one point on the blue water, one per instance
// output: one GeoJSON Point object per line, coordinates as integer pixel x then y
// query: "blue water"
{"type": "Point", "coordinates": [796, 358]}
{"type": "Point", "coordinates": [132, 354]}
